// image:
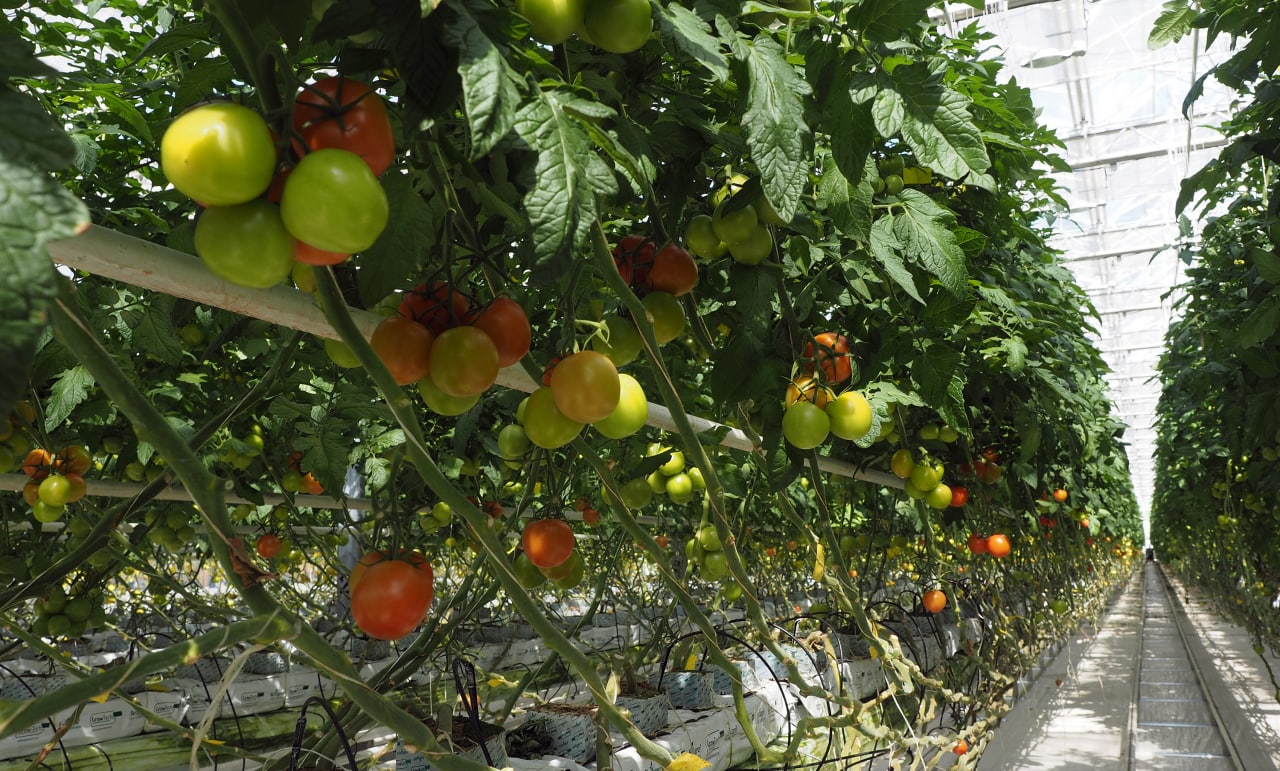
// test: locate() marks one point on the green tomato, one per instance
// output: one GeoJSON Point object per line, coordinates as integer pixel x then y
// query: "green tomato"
{"type": "Point", "coordinates": [926, 476]}
{"type": "Point", "coordinates": [939, 497]}
{"type": "Point", "coordinates": [738, 223]}
{"type": "Point", "coordinates": [526, 572]}
{"type": "Point", "coordinates": [1059, 606]}
{"type": "Point", "coordinates": [755, 249]}
{"type": "Point", "coordinates": [46, 512]}
{"type": "Point", "coordinates": [667, 316]}
{"type": "Point", "coordinates": [341, 354]}
{"type": "Point", "coordinates": [552, 21]}
{"type": "Point", "coordinates": [332, 201]}
{"type": "Point", "coordinates": [573, 577]}
{"type": "Point", "coordinates": [805, 425]}
{"type": "Point", "coordinates": [512, 441]}
{"type": "Point", "coordinates": [54, 491]}
{"type": "Point", "coordinates": [850, 415]}
{"type": "Point", "coordinates": [732, 590]}
{"type": "Point", "coordinates": [695, 476]}
{"type": "Point", "coordinates": [657, 482]}
{"type": "Point", "coordinates": [618, 26]}
{"type": "Point", "coordinates": [247, 245]}
{"type": "Point", "coordinates": [674, 464]}
{"type": "Point", "coordinates": [636, 493]}
{"type": "Point", "coordinates": [624, 344]}
{"type": "Point", "coordinates": [631, 413]}
{"type": "Point", "coordinates": [545, 425]}
{"type": "Point", "coordinates": [680, 488]}
{"type": "Point", "coordinates": [709, 538]}
{"type": "Point", "coordinates": [219, 154]}
{"type": "Point", "coordinates": [701, 239]}
{"type": "Point", "coordinates": [715, 566]}
{"type": "Point", "coordinates": [442, 403]}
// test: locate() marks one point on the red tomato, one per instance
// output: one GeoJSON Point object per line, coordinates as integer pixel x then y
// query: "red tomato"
{"type": "Point", "coordinates": [79, 487]}
{"type": "Point", "coordinates": [309, 255]}
{"type": "Point", "coordinates": [36, 464]}
{"type": "Point", "coordinates": [506, 323]}
{"type": "Point", "coordinates": [998, 545]}
{"type": "Point", "coordinates": [586, 387]}
{"type": "Point", "coordinates": [977, 543]}
{"type": "Point", "coordinates": [634, 257]}
{"type": "Point", "coordinates": [268, 546]}
{"type": "Point", "coordinates": [392, 598]}
{"type": "Point", "coordinates": [464, 361]}
{"type": "Point", "coordinates": [959, 496]}
{"type": "Point", "coordinates": [673, 271]}
{"type": "Point", "coordinates": [347, 115]}
{"type": "Point", "coordinates": [435, 305]}
{"type": "Point", "coordinates": [934, 601]}
{"type": "Point", "coordinates": [547, 542]}
{"type": "Point", "coordinates": [1060, 495]}
{"type": "Point", "coordinates": [405, 347]}
{"type": "Point", "coordinates": [833, 357]}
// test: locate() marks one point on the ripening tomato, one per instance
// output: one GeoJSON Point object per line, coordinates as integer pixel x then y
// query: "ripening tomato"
{"type": "Point", "coordinates": [668, 316]}
{"type": "Point", "coordinates": [74, 459]}
{"type": "Point", "coordinates": [548, 542]}
{"type": "Point", "coordinates": [1060, 495]}
{"type": "Point", "coordinates": [333, 202]}
{"type": "Point", "coordinates": [435, 305]}
{"type": "Point", "coordinates": [309, 255]}
{"type": "Point", "coordinates": [219, 154]}
{"type": "Point", "coordinates": [392, 598]}
{"type": "Point", "coordinates": [934, 600]}
{"type": "Point", "coordinates": [36, 464]}
{"type": "Point", "coordinates": [543, 422]}
{"type": "Point", "coordinates": [586, 386]}
{"type": "Point", "coordinates": [506, 323]}
{"type": "Point", "coordinates": [959, 496]}
{"type": "Point", "coordinates": [618, 26]}
{"type": "Point", "coordinates": [977, 543]}
{"type": "Point", "coordinates": [631, 412]}
{"type": "Point", "coordinates": [734, 222]}
{"type": "Point", "coordinates": [464, 361]}
{"type": "Point", "coordinates": [79, 487]}
{"type": "Point", "coordinates": [754, 249]}
{"type": "Point", "coordinates": [700, 236]}
{"type": "Point", "coordinates": [939, 497]}
{"type": "Point", "coordinates": [442, 403]}
{"type": "Point", "coordinates": [998, 545]}
{"type": "Point", "coordinates": [346, 114]}
{"type": "Point", "coordinates": [832, 356]}
{"type": "Point", "coordinates": [902, 463]}
{"type": "Point", "coordinates": [961, 748]}
{"type": "Point", "coordinates": [805, 425]}
{"type": "Point", "coordinates": [673, 271]}
{"type": "Point", "coordinates": [806, 389]}
{"type": "Point", "coordinates": [268, 546]}
{"type": "Point", "coordinates": [405, 348]}
{"type": "Point", "coordinates": [851, 416]}
{"type": "Point", "coordinates": [633, 257]}
{"type": "Point", "coordinates": [247, 244]}
{"type": "Point", "coordinates": [526, 572]}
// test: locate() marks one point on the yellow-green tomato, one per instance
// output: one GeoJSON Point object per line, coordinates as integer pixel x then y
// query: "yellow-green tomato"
{"type": "Point", "coordinates": [333, 202]}
{"type": "Point", "coordinates": [246, 244]}
{"type": "Point", "coordinates": [552, 21]}
{"type": "Point", "coordinates": [219, 154]}
{"type": "Point", "coordinates": [631, 412]}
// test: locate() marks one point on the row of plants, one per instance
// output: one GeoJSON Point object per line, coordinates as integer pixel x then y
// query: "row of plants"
{"type": "Point", "coordinates": [815, 226]}
{"type": "Point", "coordinates": [1218, 424]}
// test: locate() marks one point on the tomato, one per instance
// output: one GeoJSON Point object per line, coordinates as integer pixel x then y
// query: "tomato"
{"type": "Point", "coordinates": [586, 386]}
{"type": "Point", "coordinates": [679, 488]}
{"type": "Point", "coordinates": [939, 497]}
{"type": "Point", "coordinates": [805, 425]}
{"type": "Point", "coordinates": [961, 747]}
{"type": "Point", "coordinates": [666, 315]}
{"type": "Point", "coordinates": [506, 323]}
{"type": "Point", "coordinates": [673, 271]}
{"type": "Point", "coordinates": [268, 546]}
{"type": "Point", "coordinates": [959, 496]}
{"type": "Point", "coordinates": [548, 542]}
{"type": "Point", "coordinates": [977, 543]}
{"type": "Point", "coordinates": [544, 424]}
{"type": "Point", "coordinates": [636, 493]}
{"type": "Point", "coordinates": [54, 490]}
{"type": "Point", "coordinates": [442, 403]}
{"type": "Point", "coordinates": [736, 224]}
{"type": "Point", "coordinates": [934, 600]}
{"type": "Point", "coordinates": [1059, 606]}
{"type": "Point", "coordinates": [850, 415]}
{"type": "Point", "coordinates": [833, 357]}
{"type": "Point", "coordinates": [79, 487]}
{"type": "Point", "coordinates": [631, 412]}
{"type": "Point", "coordinates": [913, 492]}
{"type": "Point", "coordinates": [309, 255]}
{"type": "Point", "coordinates": [347, 115]}
{"type": "Point", "coordinates": [998, 545]}
{"type": "Point", "coordinates": [47, 512]}
{"type": "Point", "coordinates": [333, 202]}
{"type": "Point", "coordinates": [1060, 495]}
{"type": "Point", "coordinates": [618, 26]}
{"type": "Point", "coordinates": [570, 574]}
{"type": "Point", "coordinates": [591, 517]}
{"type": "Point", "coordinates": [709, 538]}
{"type": "Point", "coordinates": [754, 249]}
{"type": "Point", "coordinates": [73, 459]}
{"type": "Point", "coordinates": [512, 441]}
{"type": "Point", "coordinates": [902, 464]}
{"type": "Point", "coordinates": [806, 388]}
{"type": "Point", "coordinates": [392, 598]}
{"type": "Point", "coordinates": [988, 471]}
{"type": "Point", "coordinates": [552, 21]}
{"type": "Point", "coordinates": [464, 361]}
{"type": "Point", "coordinates": [624, 343]}
{"type": "Point", "coordinates": [926, 476]}
{"type": "Point", "coordinates": [219, 154]}
{"type": "Point", "coordinates": [340, 354]}
{"type": "Point", "coordinates": [247, 244]}
{"type": "Point", "coordinates": [404, 347]}
{"type": "Point", "coordinates": [701, 239]}
{"type": "Point", "coordinates": [36, 464]}
{"type": "Point", "coordinates": [526, 572]}
{"type": "Point", "coordinates": [715, 566]}
{"type": "Point", "coordinates": [435, 305]}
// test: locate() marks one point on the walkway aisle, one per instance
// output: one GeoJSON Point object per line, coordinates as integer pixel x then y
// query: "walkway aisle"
{"type": "Point", "coordinates": [1130, 698]}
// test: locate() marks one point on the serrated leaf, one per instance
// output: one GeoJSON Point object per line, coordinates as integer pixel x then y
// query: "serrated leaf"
{"type": "Point", "coordinates": [1172, 24]}
{"type": "Point", "coordinates": [325, 453]}
{"type": "Point", "coordinates": [849, 206]}
{"type": "Point", "coordinates": [852, 130]}
{"type": "Point", "coordinates": [1015, 352]}
{"type": "Point", "coordinates": [886, 248]}
{"type": "Point", "coordinates": [884, 21]}
{"type": "Point", "coordinates": [70, 389]}
{"type": "Point", "coordinates": [30, 136]}
{"type": "Point", "coordinates": [567, 177]}
{"type": "Point", "coordinates": [126, 112]}
{"type": "Point", "coordinates": [176, 39]}
{"type": "Point", "coordinates": [204, 79]}
{"type": "Point", "coordinates": [1268, 264]}
{"type": "Point", "coordinates": [1260, 325]}
{"type": "Point", "coordinates": [18, 60]}
{"type": "Point", "coordinates": [489, 90]}
{"type": "Point", "coordinates": [887, 112]}
{"type": "Point", "coordinates": [773, 118]}
{"type": "Point", "coordinates": [402, 248]}
{"type": "Point", "coordinates": [86, 157]}
{"type": "Point", "coordinates": [155, 333]}
{"type": "Point", "coordinates": [938, 376]}
{"type": "Point", "coordinates": [936, 123]}
{"type": "Point", "coordinates": [970, 241]}
{"type": "Point", "coordinates": [924, 232]}
{"type": "Point", "coordinates": [692, 35]}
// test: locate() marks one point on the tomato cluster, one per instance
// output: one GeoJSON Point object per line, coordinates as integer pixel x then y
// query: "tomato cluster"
{"type": "Point", "coordinates": [56, 480]}
{"type": "Point", "coordinates": [264, 209]}
{"type": "Point", "coordinates": [738, 225]}
{"type": "Point", "coordinates": [673, 478]}
{"type": "Point", "coordinates": [548, 554]}
{"type": "Point", "coordinates": [813, 411]}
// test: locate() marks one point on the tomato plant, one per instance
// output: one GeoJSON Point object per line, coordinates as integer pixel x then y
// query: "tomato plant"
{"type": "Point", "coordinates": [219, 154]}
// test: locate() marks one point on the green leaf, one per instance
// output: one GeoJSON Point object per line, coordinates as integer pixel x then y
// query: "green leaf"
{"type": "Point", "coordinates": [886, 248]}
{"type": "Point", "coordinates": [567, 177]}
{"type": "Point", "coordinates": [773, 118]}
{"type": "Point", "coordinates": [970, 241]}
{"type": "Point", "coordinates": [18, 60]}
{"type": "Point", "coordinates": [939, 379]}
{"type": "Point", "coordinates": [155, 333]}
{"type": "Point", "coordinates": [849, 206]}
{"type": "Point", "coordinates": [888, 112]}
{"type": "Point", "coordinates": [1172, 24]}
{"type": "Point", "coordinates": [852, 131]}
{"type": "Point", "coordinates": [204, 79]}
{"type": "Point", "coordinates": [692, 35]}
{"type": "Point", "coordinates": [1015, 351]}
{"type": "Point", "coordinates": [71, 388]}
{"type": "Point", "coordinates": [1268, 264]}
{"type": "Point", "coordinates": [936, 123]}
{"type": "Point", "coordinates": [30, 137]}
{"type": "Point", "coordinates": [883, 21]}
{"type": "Point", "coordinates": [325, 452]}
{"type": "Point", "coordinates": [411, 234]}
{"type": "Point", "coordinates": [488, 84]}
{"type": "Point", "coordinates": [924, 234]}
{"type": "Point", "coordinates": [1261, 325]}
